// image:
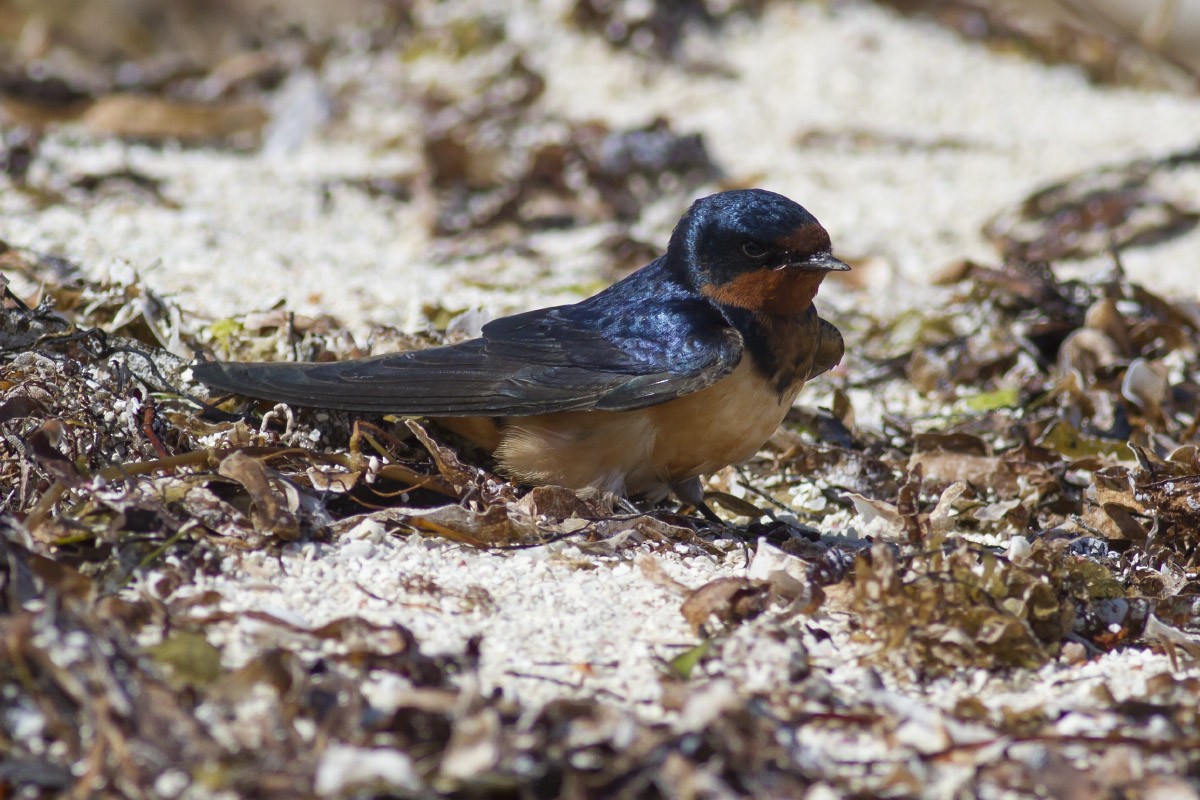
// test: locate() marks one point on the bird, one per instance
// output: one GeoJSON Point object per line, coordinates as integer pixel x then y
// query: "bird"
{"type": "Point", "coordinates": [684, 367]}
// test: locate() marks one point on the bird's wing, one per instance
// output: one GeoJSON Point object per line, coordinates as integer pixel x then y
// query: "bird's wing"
{"type": "Point", "coordinates": [556, 359]}
{"type": "Point", "coordinates": [829, 349]}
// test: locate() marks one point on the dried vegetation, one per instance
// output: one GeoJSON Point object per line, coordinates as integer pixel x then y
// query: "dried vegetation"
{"type": "Point", "coordinates": [1039, 503]}
{"type": "Point", "coordinates": [1125, 43]}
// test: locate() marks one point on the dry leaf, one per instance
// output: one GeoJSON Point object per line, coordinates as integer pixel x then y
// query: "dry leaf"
{"type": "Point", "coordinates": [136, 116]}
{"type": "Point", "coordinates": [725, 601]}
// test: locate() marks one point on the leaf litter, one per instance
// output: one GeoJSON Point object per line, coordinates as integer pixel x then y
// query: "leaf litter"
{"type": "Point", "coordinates": [1084, 35]}
{"type": "Point", "coordinates": [1007, 533]}
{"type": "Point", "coordinates": [1035, 503]}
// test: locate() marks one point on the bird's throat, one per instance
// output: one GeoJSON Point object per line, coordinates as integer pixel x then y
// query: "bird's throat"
{"type": "Point", "coordinates": [782, 292]}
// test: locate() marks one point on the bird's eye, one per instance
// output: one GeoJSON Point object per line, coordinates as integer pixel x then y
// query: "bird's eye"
{"type": "Point", "coordinates": [754, 250]}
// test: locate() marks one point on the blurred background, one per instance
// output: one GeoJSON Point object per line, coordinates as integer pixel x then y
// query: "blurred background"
{"type": "Point", "coordinates": [401, 161]}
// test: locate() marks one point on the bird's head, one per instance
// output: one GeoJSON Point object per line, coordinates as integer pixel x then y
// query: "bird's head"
{"type": "Point", "coordinates": [753, 249]}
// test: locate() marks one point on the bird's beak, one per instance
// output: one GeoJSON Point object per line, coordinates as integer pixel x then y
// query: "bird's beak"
{"type": "Point", "coordinates": [821, 262]}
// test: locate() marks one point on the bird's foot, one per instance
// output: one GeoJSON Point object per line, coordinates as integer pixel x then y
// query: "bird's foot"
{"type": "Point", "coordinates": [691, 492]}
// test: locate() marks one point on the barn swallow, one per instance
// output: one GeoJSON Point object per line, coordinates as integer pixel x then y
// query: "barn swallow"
{"type": "Point", "coordinates": [684, 367]}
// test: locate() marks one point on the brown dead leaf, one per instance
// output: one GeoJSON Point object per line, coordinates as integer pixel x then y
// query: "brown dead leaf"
{"type": "Point", "coordinates": [324, 480]}
{"type": "Point", "coordinates": [982, 471]}
{"type": "Point", "coordinates": [942, 518]}
{"type": "Point", "coordinates": [1176, 500]}
{"type": "Point", "coordinates": [950, 442]}
{"type": "Point", "coordinates": [1116, 486]}
{"type": "Point", "coordinates": [268, 512]}
{"type": "Point", "coordinates": [557, 503]}
{"type": "Point", "coordinates": [726, 601]}
{"type": "Point", "coordinates": [135, 116]}
{"type": "Point", "coordinates": [491, 527]}
{"type": "Point", "coordinates": [365, 644]}
{"type": "Point", "coordinates": [452, 469]}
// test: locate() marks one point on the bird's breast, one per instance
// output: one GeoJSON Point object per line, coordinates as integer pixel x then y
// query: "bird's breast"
{"type": "Point", "coordinates": [723, 424]}
{"type": "Point", "coordinates": [646, 451]}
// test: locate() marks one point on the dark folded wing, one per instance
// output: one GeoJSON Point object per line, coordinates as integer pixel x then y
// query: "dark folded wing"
{"type": "Point", "coordinates": [535, 363]}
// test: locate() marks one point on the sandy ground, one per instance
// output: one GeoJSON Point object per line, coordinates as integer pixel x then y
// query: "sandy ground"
{"type": "Point", "coordinates": [251, 229]}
